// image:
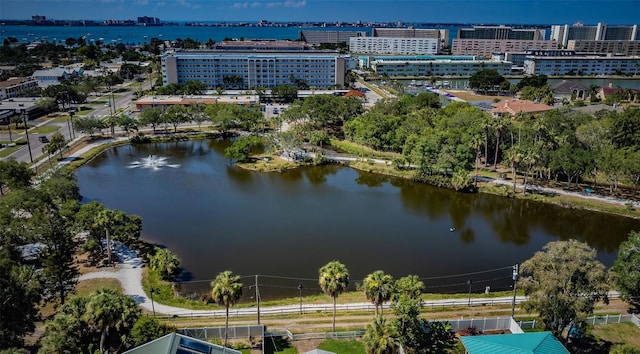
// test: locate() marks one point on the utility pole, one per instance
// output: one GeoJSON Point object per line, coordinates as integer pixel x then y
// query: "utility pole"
{"type": "Point", "coordinates": [153, 308]}
{"type": "Point", "coordinates": [515, 280]}
{"type": "Point", "coordinates": [258, 298]}
{"type": "Point", "coordinates": [300, 291]}
{"type": "Point", "coordinates": [26, 132]}
{"type": "Point", "coordinates": [469, 282]}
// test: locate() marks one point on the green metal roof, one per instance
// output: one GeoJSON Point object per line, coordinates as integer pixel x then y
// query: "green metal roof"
{"type": "Point", "coordinates": [521, 343]}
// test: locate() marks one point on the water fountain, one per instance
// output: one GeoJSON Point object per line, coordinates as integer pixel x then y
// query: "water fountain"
{"type": "Point", "coordinates": [152, 162]}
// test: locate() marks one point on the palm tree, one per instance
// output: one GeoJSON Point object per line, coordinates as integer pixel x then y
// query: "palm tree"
{"type": "Point", "coordinates": [380, 337]}
{"type": "Point", "coordinates": [410, 286]}
{"type": "Point", "coordinates": [226, 291]}
{"type": "Point", "coordinates": [334, 279]}
{"type": "Point", "coordinates": [378, 288]}
{"type": "Point", "coordinates": [106, 309]}
{"type": "Point", "coordinates": [106, 219]}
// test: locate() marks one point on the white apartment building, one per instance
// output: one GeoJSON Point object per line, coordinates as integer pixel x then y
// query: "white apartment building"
{"type": "Point", "coordinates": [439, 67]}
{"type": "Point", "coordinates": [250, 69]}
{"type": "Point", "coordinates": [389, 45]}
{"type": "Point", "coordinates": [17, 86]}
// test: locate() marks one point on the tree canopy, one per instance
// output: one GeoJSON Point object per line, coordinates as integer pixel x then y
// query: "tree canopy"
{"type": "Point", "coordinates": [563, 282]}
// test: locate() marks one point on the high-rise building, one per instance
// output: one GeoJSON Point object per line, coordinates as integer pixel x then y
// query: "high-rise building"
{"type": "Point", "coordinates": [442, 34]}
{"type": "Point", "coordinates": [486, 47]}
{"type": "Point", "coordinates": [148, 21]}
{"type": "Point", "coordinates": [333, 37]}
{"type": "Point", "coordinates": [251, 69]}
{"type": "Point", "coordinates": [626, 48]}
{"type": "Point", "coordinates": [501, 32]}
{"type": "Point", "coordinates": [564, 33]}
{"type": "Point", "coordinates": [388, 45]}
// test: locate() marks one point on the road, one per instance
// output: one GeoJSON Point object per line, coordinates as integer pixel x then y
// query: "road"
{"type": "Point", "coordinates": [123, 100]}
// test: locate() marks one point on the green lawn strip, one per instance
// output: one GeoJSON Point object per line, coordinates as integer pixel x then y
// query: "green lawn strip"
{"type": "Point", "coordinates": [9, 150]}
{"type": "Point", "coordinates": [342, 346]}
{"type": "Point", "coordinates": [44, 129]}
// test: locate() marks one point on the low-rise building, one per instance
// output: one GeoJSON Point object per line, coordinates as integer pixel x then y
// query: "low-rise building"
{"type": "Point", "coordinates": [631, 95]}
{"type": "Point", "coordinates": [486, 47]}
{"type": "Point", "coordinates": [53, 76]}
{"type": "Point", "coordinates": [20, 105]}
{"type": "Point", "coordinates": [570, 90]}
{"type": "Point", "coordinates": [17, 86]}
{"type": "Point", "coordinates": [425, 66]}
{"type": "Point", "coordinates": [163, 101]}
{"type": "Point", "coordinates": [389, 45]}
{"type": "Point", "coordinates": [510, 108]}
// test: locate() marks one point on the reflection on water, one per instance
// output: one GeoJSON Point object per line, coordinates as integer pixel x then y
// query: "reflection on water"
{"type": "Point", "coordinates": [217, 217]}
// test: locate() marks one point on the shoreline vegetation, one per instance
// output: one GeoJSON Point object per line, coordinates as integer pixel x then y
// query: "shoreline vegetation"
{"type": "Point", "coordinates": [271, 162]}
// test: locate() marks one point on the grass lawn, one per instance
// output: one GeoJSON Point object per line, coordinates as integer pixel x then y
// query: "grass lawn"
{"type": "Point", "coordinates": [88, 286]}
{"type": "Point", "coordinates": [44, 129]}
{"type": "Point", "coordinates": [618, 333]}
{"type": "Point", "coordinates": [343, 346]}
{"type": "Point", "coordinates": [9, 150]}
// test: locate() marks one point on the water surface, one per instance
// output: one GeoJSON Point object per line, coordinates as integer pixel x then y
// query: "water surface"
{"type": "Point", "coordinates": [218, 217]}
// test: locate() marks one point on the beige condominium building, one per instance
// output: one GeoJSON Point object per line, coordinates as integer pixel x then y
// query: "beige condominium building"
{"type": "Point", "coordinates": [486, 47]}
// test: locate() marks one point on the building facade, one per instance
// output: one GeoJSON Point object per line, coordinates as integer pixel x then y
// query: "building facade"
{"type": "Point", "coordinates": [333, 37]}
{"type": "Point", "coordinates": [437, 67]}
{"type": "Point", "coordinates": [442, 34]}
{"type": "Point", "coordinates": [17, 86]}
{"type": "Point", "coordinates": [582, 65]}
{"type": "Point", "coordinates": [600, 32]}
{"type": "Point", "coordinates": [389, 45]}
{"type": "Point", "coordinates": [621, 47]}
{"type": "Point", "coordinates": [254, 69]}
{"type": "Point", "coordinates": [501, 32]}
{"type": "Point", "coordinates": [486, 47]}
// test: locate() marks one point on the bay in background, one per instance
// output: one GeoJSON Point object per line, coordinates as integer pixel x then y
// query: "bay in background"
{"type": "Point", "coordinates": [136, 34]}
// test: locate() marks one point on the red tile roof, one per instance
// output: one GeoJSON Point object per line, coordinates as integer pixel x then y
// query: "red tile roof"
{"type": "Point", "coordinates": [519, 106]}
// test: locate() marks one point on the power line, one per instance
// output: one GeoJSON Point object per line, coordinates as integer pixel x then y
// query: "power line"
{"type": "Point", "coordinates": [465, 274]}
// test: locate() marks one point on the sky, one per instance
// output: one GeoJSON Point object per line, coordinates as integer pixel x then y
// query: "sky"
{"type": "Point", "coordinates": [431, 11]}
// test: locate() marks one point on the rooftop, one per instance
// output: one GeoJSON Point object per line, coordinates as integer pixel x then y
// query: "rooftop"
{"type": "Point", "coordinates": [520, 343]}
{"type": "Point", "coordinates": [515, 106]}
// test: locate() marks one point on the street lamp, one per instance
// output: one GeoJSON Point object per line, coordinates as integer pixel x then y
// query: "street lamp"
{"type": "Point", "coordinates": [469, 282]}
{"type": "Point", "coordinates": [26, 133]}
{"type": "Point", "coordinates": [300, 291]}
{"type": "Point", "coordinates": [515, 279]}
{"type": "Point", "coordinates": [153, 308]}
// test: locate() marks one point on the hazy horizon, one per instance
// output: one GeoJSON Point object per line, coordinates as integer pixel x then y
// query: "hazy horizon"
{"type": "Point", "coordinates": [534, 12]}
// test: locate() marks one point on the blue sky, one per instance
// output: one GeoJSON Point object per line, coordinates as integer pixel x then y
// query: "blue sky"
{"type": "Point", "coordinates": [437, 11]}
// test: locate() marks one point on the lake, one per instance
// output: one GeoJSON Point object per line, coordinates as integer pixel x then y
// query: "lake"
{"type": "Point", "coordinates": [285, 226]}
